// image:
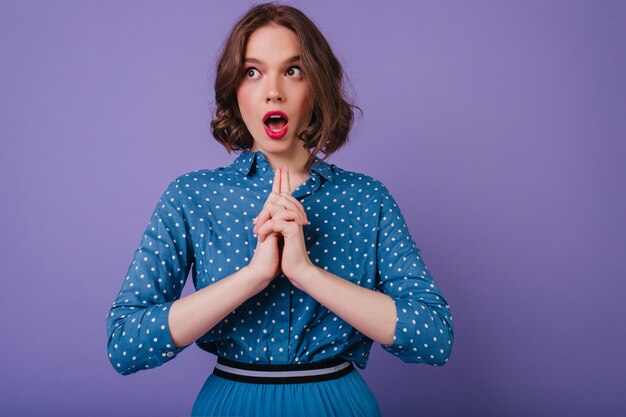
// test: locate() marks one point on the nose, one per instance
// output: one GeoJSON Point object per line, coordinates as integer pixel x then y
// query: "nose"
{"type": "Point", "coordinates": [274, 96]}
{"type": "Point", "coordinates": [274, 92]}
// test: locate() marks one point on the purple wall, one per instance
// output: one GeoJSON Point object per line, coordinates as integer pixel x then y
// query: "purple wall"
{"type": "Point", "coordinates": [506, 125]}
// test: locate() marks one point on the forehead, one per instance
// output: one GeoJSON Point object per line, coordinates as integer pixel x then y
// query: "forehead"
{"type": "Point", "coordinates": [272, 42]}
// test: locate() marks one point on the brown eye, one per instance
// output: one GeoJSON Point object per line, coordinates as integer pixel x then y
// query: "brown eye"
{"type": "Point", "coordinates": [294, 71]}
{"type": "Point", "coordinates": [252, 73]}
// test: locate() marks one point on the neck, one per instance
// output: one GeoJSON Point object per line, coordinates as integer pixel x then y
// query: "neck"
{"type": "Point", "coordinates": [295, 160]}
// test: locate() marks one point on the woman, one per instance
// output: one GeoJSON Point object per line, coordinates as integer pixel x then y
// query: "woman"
{"type": "Point", "coordinates": [299, 265]}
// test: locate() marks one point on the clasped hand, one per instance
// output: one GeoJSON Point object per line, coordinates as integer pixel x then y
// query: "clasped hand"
{"type": "Point", "coordinates": [278, 226]}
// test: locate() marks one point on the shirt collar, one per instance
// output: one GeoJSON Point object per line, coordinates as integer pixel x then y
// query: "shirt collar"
{"type": "Point", "coordinates": [245, 161]}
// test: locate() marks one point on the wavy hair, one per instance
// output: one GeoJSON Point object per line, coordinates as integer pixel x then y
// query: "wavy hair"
{"type": "Point", "coordinates": [332, 116]}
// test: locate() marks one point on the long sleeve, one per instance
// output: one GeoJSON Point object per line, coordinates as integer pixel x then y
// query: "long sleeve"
{"type": "Point", "coordinates": [137, 323]}
{"type": "Point", "coordinates": [424, 331]}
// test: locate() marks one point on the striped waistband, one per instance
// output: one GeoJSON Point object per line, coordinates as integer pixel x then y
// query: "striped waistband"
{"type": "Point", "coordinates": [282, 374]}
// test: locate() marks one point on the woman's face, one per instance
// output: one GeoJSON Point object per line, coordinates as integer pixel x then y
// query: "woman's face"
{"type": "Point", "coordinates": [274, 95]}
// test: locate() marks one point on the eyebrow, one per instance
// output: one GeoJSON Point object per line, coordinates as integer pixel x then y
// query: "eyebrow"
{"type": "Point", "coordinates": [258, 61]}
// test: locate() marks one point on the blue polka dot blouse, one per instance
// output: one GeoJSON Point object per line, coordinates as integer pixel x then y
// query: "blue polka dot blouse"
{"type": "Point", "coordinates": [203, 223]}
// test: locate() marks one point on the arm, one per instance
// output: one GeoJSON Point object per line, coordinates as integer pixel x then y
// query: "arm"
{"type": "Point", "coordinates": [409, 316]}
{"type": "Point", "coordinates": [137, 324]}
{"type": "Point", "coordinates": [424, 331]}
{"type": "Point", "coordinates": [370, 312]}
{"type": "Point", "coordinates": [149, 324]}
{"type": "Point", "coordinates": [194, 315]}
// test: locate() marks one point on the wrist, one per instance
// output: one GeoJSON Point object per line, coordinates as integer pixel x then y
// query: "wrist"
{"type": "Point", "coordinates": [303, 273]}
{"type": "Point", "coordinates": [254, 280]}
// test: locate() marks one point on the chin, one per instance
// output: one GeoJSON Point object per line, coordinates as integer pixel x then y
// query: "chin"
{"type": "Point", "coordinates": [275, 145]}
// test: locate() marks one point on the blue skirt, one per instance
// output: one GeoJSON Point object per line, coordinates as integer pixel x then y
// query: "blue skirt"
{"type": "Point", "coordinates": [230, 395]}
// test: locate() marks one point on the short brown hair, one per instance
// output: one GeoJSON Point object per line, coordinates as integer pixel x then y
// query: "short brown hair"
{"type": "Point", "coordinates": [332, 114]}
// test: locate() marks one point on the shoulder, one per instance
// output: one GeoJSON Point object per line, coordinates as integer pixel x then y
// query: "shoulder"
{"type": "Point", "coordinates": [359, 181]}
{"type": "Point", "coordinates": [196, 181]}
{"type": "Point", "coordinates": [359, 188]}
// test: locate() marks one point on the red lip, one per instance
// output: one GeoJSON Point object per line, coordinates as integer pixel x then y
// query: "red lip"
{"type": "Point", "coordinates": [280, 133]}
{"type": "Point", "coordinates": [274, 113]}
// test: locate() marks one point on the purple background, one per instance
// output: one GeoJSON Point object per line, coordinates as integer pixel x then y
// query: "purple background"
{"type": "Point", "coordinates": [498, 126]}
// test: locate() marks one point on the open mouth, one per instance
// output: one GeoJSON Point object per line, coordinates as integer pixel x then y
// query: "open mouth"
{"type": "Point", "coordinates": [276, 124]}
{"type": "Point", "coordinates": [275, 120]}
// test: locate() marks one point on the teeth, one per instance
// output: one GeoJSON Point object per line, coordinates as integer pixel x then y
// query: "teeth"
{"type": "Point", "coordinates": [275, 120]}
{"type": "Point", "coordinates": [275, 116]}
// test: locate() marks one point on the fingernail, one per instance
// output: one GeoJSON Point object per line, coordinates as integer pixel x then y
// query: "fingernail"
{"type": "Point", "coordinates": [254, 220]}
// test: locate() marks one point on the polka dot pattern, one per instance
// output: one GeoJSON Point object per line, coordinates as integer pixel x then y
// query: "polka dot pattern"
{"type": "Point", "coordinates": [203, 224]}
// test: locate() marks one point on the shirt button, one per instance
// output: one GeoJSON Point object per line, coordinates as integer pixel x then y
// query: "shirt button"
{"type": "Point", "coordinates": [170, 354]}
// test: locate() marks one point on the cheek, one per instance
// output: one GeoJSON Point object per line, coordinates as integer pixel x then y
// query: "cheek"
{"type": "Point", "coordinates": [244, 99]}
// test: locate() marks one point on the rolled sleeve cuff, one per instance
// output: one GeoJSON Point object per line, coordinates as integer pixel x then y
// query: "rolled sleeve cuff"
{"type": "Point", "coordinates": [161, 343]}
{"type": "Point", "coordinates": [405, 325]}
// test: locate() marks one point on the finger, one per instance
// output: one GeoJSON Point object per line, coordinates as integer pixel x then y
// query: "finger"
{"type": "Point", "coordinates": [274, 236]}
{"type": "Point", "coordinates": [264, 231]}
{"type": "Point", "coordinates": [287, 215]}
{"type": "Point", "coordinates": [263, 216]}
{"type": "Point", "coordinates": [276, 181]}
{"type": "Point", "coordinates": [285, 204]}
{"type": "Point", "coordinates": [276, 202]}
{"type": "Point", "coordinates": [284, 228]}
{"type": "Point", "coordinates": [297, 203]}
{"type": "Point", "coordinates": [263, 235]}
{"type": "Point", "coordinates": [281, 203]}
{"type": "Point", "coordinates": [275, 226]}
{"type": "Point", "coordinates": [266, 214]}
{"type": "Point", "coordinates": [267, 228]}
{"type": "Point", "coordinates": [286, 200]}
{"type": "Point", "coordinates": [284, 182]}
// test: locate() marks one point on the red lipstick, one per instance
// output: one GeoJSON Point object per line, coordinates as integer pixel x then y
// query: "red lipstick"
{"type": "Point", "coordinates": [275, 122]}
